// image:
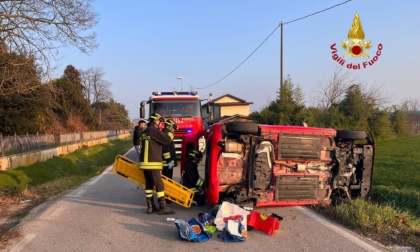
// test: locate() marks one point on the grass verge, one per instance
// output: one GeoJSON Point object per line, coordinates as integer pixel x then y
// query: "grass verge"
{"type": "Point", "coordinates": [23, 188]}
{"type": "Point", "coordinates": [48, 178]}
{"type": "Point", "coordinates": [391, 215]}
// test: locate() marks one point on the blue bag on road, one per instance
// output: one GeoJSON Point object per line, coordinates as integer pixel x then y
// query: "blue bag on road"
{"type": "Point", "coordinates": [192, 230]}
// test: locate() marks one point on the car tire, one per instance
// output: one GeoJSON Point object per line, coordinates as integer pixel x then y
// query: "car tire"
{"type": "Point", "coordinates": [242, 127]}
{"type": "Point", "coordinates": [351, 134]}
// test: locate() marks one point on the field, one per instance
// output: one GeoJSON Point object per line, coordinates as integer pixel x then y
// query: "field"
{"type": "Point", "coordinates": [396, 178]}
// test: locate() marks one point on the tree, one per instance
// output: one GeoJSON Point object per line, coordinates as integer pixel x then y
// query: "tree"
{"type": "Point", "coordinates": [71, 110]}
{"type": "Point", "coordinates": [411, 106]}
{"type": "Point", "coordinates": [24, 112]}
{"type": "Point", "coordinates": [289, 104]}
{"type": "Point", "coordinates": [356, 108]}
{"type": "Point", "coordinates": [96, 88]}
{"type": "Point", "coordinates": [380, 124]}
{"type": "Point", "coordinates": [330, 118]}
{"type": "Point", "coordinates": [333, 91]}
{"type": "Point", "coordinates": [18, 75]}
{"type": "Point", "coordinates": [112, 115]}
{"type": "Point", "coordinates": [73, 75]}
{"type": "Point", "coordinates": [35, 29]}
{"type": "Point", "coordinates": [399, 120]}
{"type": "Point", "coordinates": [100, 108]}
{"type": "Point", "coordinates": [288, 108]}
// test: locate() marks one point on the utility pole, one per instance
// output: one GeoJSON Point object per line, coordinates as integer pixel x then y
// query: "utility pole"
{"type": "Point", "coordinates": [281, 56]}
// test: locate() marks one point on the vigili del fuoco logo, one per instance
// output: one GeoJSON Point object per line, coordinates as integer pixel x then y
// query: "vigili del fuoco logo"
{"type": "Point", "coordinates": [356, 47]}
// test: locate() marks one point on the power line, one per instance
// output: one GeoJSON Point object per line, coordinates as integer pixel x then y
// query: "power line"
{"type": "Point", "coordinates": [249, 56]}
{"type": "Point", "coordinates": [329, 8]}
{"type": "Point", "coordinates": [285, 23]}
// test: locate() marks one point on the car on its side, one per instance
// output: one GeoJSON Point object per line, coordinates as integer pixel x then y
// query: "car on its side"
{"type": "Point", "coordinates": [273, 165]}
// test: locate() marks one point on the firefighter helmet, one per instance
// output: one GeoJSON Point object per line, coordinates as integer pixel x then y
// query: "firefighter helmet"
{"type": "Point", "coordinates": [156, 116]}
{"type": "Point", "coordinates": [171, 123]}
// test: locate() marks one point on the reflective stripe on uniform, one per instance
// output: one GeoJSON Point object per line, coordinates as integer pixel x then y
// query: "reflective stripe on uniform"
{"type": "Point", "coordinates": [146, 151]}
{"type": "Point", "coordinates": [167, 155]}
{"type": "Point", "coordinates": [200, 182]}
{"type": "Point", "coordinates": [150, 165]}
{"type": "Point", "coordinates": [149, 193]}
{"type": "Point", "coordinates": [171, 135]}
{"type": "Point", "coordinates": [160, 194]}
{"type": "Point", "coordinates": [166, 164]}
{"type": "Point", "coordinates": [195, 190]}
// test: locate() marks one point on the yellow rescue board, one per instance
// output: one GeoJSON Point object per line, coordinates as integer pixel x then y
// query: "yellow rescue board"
{"type": "Point", "coordinates": [174, 191]}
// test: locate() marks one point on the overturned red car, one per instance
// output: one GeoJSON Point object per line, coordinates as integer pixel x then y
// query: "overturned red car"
{"type": "Point", "coordinates": [272, 165]}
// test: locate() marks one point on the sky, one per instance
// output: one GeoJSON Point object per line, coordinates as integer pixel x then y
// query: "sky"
{"type": "Point", "coordinates": [145, 45]}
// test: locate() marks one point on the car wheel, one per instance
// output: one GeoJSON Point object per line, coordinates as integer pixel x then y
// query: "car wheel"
{"type": "Point", "coordinates": [242, 127]}
{"type": "Point", "coordinates": [351, 134]}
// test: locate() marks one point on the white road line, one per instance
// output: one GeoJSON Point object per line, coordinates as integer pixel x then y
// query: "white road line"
{"type": "Point", "coordinates": [337, 229]}
{"type": "Point", "coordinates": [21, 245]}
{"type": "Point", "coordinates": [100, 176]}
{"type": "Point", "coordinates": [56, 212]}
{"type": "Point", "coordinates": [80, 192]}
{"type": "Point", "coordinates": [109, 169]}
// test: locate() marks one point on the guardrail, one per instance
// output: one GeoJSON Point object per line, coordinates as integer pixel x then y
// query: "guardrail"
{"type": "Point", "coordinates": [12, 145]}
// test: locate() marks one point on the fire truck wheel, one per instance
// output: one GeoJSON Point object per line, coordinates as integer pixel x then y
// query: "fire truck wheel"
{"type": "Point", "coordinates": [242, 127]}
{"type": "Point", "coordinates": [351, 135]}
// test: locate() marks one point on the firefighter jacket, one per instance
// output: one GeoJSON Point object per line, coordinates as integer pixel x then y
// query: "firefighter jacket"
{"type": "Point", "coordinates": [136, 135]}
{"type": "Point", "coordinates": [191, 178]}
{"type": "Point", "coordinates": [151, 142]}
{"type": "Point", "coordinates": [169, 154]}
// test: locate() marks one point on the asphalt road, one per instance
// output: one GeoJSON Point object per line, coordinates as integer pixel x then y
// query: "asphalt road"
{"type": "Point", "coordinates": [108, 213]}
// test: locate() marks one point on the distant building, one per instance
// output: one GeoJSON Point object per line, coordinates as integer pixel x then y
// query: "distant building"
{"type": "Point", "coordinates": [226, 105]}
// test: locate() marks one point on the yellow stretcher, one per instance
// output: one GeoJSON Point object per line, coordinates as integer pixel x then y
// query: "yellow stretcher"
{"type": "Point", "coordinates": [174, 191]}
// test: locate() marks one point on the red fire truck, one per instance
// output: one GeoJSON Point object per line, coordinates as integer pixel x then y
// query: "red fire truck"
{"type": "Point", "coordinates": [185, 109]}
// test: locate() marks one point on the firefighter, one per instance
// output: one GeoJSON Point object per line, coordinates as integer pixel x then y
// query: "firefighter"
{"type": "Point", "coordinates": [169, 154]}
{"type": "Point", "coordinates": [151, 141]}
{"type": "Point", "coordinates": [191, 178]}
{"type": "Point", "coordinates": [136, 135]}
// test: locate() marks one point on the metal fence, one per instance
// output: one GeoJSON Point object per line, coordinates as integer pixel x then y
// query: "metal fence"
{"type": "Point", "coordinates": [10, 145]}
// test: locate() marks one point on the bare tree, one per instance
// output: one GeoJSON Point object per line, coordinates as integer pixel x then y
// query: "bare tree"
{"type": "Point", "coordinates": [87, 86]}
{"type": "Point", "coordinates": [375, 95]}
{"type": "Point", "coordinates": [96, 88]}
{"type": "Point", "coordinates": [411, 104]}
{"type": "Point", "coordinates": [412, 107]}
{"type": "Point", "coordinates": [36, 29]}
{"type": "Point", "coordinates": [333, 91]}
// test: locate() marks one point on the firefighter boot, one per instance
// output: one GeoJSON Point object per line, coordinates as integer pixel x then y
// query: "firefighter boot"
{"type": "Point", "coordinates": [151, 207]}
{"type": "Point", "coordinates": [163, 208]}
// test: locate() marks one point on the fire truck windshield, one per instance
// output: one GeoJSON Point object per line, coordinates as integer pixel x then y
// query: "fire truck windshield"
{"type": "Point", "coordinates": [176, 108]}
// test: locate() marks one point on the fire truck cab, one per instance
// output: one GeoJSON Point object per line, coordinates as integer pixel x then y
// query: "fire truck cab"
{"type": "Point", "coordinates": [185, 109]}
